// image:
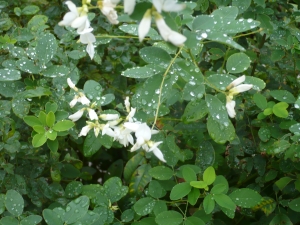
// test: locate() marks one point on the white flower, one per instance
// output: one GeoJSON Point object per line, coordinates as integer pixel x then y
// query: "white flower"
{"type": "Point", "coordinates": [109, 116]}
{"type": "Point", "coordinates": [156, 151]}
{"type": "Point", "coordinates": [84, 131]}
{"type": "Point", "coordinates": [108, 131]}
{"type": "Point", "coordinates": [83, 99]}
{"type": "Point", "coordinates": [89, 39]}
{"type": "Point", "coordinates": [123, 135]}
{"type": "Point", "coordinates": [71, 84]}
{"type": "Point", "coordinates": [167, 5]}
{"type": "Point", "coordinates": [129, 6]}
{"type": "Point", "coordinates": [145, 25]}
{"type": "Point", "coordinates": [76, 18]}
{"type": "Point", "coordinates": [230, 104]}
{"type": "Point", "coordinates": [92, 114]}
{"type": "Point", "coordinates": [76, 116]}
{"type": "Point", "coordinates": [127, 104]}
{"type": "Point", "coordinates": [131, 115]}
{"type": "Point", "coordinates": [167, 34]}
{"type": "Point", "coordinates": [235, 87]}
{"type": "Point", "coordinates": [107, 7]}
{"type": "Point", "coordinates": [74, 101]}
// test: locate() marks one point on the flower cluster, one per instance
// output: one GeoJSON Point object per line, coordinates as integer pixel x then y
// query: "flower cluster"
{"type": "Point", "coordinates": [234, 88]}
{"type": "Point", "coordinates": [78, 19]}
{"type": "Point", "coordinates": [165, 31]}
{"type": "Point", "coordinates": [112, 125]}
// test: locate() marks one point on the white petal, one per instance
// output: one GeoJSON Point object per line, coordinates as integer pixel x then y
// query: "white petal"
{"type": "Point", "coordinates": [163, 28]}
{"type": "Point", "coordinates": [135, 147]}
{"type": "Point", "coordinates": [72, 7]}
{"type": "Point", "coordinates": [127, 104]}
{"type": "Point", "coordinates": [74, 101]}
{"type": "Point", "coordinates": [243, 87]}
{"type": "Point", "coordinates": [145, 25]}
{"type": "Point", "coordinates": [230, 108]}
{"type": "Point", "coordinates": [92, 114]}
{"type": "Point", "coordinates": [79, 21]}
{"type": "Point", "coordinates": [84, 130]}
{"type": "Point", "coordinates": [83, 99]}
{"type": "Point", "coordinates": [143, 132]}
{"type": "Point", "coordinates": [172, 6]}
{"type": "Point", "coordinates": [158, 4]}
{"type": "Point", "coordinates": [129, 6]}
{"type": "Point", "coordinates": [132, 126]}
{"type": "Point", "coordinates": [68, 19]}
{"type": "Point", "coordinates": [87, 38]}
{"type": "Point", "coordinates": [109, 116]}
{"type": "Point", "coordinates": [76, 116]}
{"type": "Point", "coordinates": [70, 83]}
{"type": "Point", "coordinates": [176, 38]}
{"type": "Point", "coordinates": [158, 154]}
{"type": "Point", "coordinates": [238, 81]}
{"type": "Point", "coordinates": [90, 49]}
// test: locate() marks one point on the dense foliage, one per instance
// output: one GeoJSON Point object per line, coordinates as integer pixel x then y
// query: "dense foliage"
{"type": "Point", "coordinates": [192, 121]}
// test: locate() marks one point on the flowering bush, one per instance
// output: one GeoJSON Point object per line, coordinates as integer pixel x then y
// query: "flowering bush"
{"type": "Point", "coordinates": [149, 112]}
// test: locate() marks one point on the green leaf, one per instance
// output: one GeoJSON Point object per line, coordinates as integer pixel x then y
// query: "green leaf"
{"type": "Point", "coordinates": [73, 189]}
{"type": "Point", "coordinates": [295, 204]}
{"type": "Point", "coordinates": [189, 174]}
{"type": "Point", "coordinates": [133, 30]}
{"type": "Point", "coordinates": [260, 101]}
{"type": "Point", "coordinates": [224, 201]}
{"type": "Point", "coordinates": [38, 140]}
{"type": "Point", "coordinates": [114, 189]}
{"type": "Point", "coordinates": [237, 63]}
{"type": "Point", "coordinates": [283, 96]}
{"type": "Point", "coordinates": [50, 119]}
{"type": "Point", "coordinates": [9, 220]}
{"type": "Point", "coordinates": [63, 125]}
{"type": "Point", "coordinates": [51, 107]}
{"type": "Point", "coordinates": [192, 220]}
{"type": "Point", "coordinates": [37, 92]}
{"type": "Point", "coordinates": [32, 120]}
{"type": "Point", "coordinates": [180, 190]}
{"type": "Point", "coordinates": [218, 189]}
{"type": "Point", "coordinates": [295, 128]}
{"type": "Point", "coordinates": [281, 219]}
{"type": "Point", "coordinates": [14, 202]}
{"type": "Point", "coordinates": [28, 66]}
{"type": "Point", "coordinates": [257, 83]}
{"type": "Point", "coordinates": [264, 134]}
{"type": "Point", "coordinates": [131, 165]}
{"type": "Point", "coordinates": [209, 175]}
{"type": "Point", "coordinates": [144, 206]}
{"type": "Point", "coordinates": [155, 55]}
{"type": "Point", "coordinates": [169, 218]}
{"type": "Point", "coordinates": [245, 197]}
{"type": "Point", "coordinates": [51, 217]}
{"type": "Point", "coordinates": [46, 48]}
{"type": "Point", "coordinates": [56, 71]}
{"type": "Point", "coordinates": [31, 220]}
{"type": "Point", "coordinates": [156, 190]}
{"type": "Point", "coordinates": [42, 118]}
{"type": "Point", "coordinates": [93, 90]}
{"type": "Point", "coordinates": [30, 10]}
{"type": "Point", "coordinates": [220, 81]}
{"type": "Point", "coordinates": [199, 184]}
{"type": "Point", "coordinates": [91, 144]}
{"type": "Point", "coordinates": [217, 109]}
{"type": "Point", "coordinates": [241, 5]}
{"type": "Point", "coordinates": [193, 91]}
{"type": "Point", "coordinates": [52, 145]}
{"type": "Point", "coordinates": [222, 180]}
{"type": "Point", "coordinates": [142, 72]}
{"type": "Point", "coordinates": [220, 133]}
{"type": "Point", "coordinates": [267, 205]}
{"type": "Point", "coordinates": [282, 182]}
{"type": "Point", "coordinates": [205, 155]}
{"type": "Point", "coordinates": [279, 110]}
{"type": "Point", "coordinates": [127, 215]}
{"type": "Point", "coordinates": [161, 172]}
{"type": "Point", "coordinates": [9, 74]}
{"type": "Point", "coordinates": [51, 134]}
{"type": "Point", "coordinates": [139, 180]}
{"type": "Point", "coordinates": [208, 204]}
{"type": "Point", "coordinates": [193, 196]}
{"type": "Point", "coordinates": [76, 209]}
{"type": "Point", "coordinates": [39, 129]}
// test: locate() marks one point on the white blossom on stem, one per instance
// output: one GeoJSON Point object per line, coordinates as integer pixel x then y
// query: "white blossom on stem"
{"type": "Point", "coordinates": [157, 152]}
{"type": "Point", "coordinates": [167, 33]}
{"type": "Point", "coordinates": [76, 116]}
{"type": "Point", "coordinates": [127, 104]}
{"type": "Point", "coordinates": [88, 39]}
{"type": "Point", "coordinates": [129, 6]}
{"type": "Point", "coordinates": [83, 99]}
{"type": "Point", "coordinates": [145, 25]}
{"type": "Point", "coordinates": [107, 7]}
{"type": "Point", "coordinates": [234, 88]}
{"type": "Point", "coordinates": [167, 6]}
{"type": "Point", "coordinates": [109, 117]}
{"type": "Point", "coordinates": [123, 135]}
{"type": "Point", "coordinates": [84, 131]}
{"type": "Point", "coordinates": [92, 114]}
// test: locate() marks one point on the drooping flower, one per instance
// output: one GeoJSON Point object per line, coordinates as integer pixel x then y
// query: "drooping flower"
{"type": "Point", "coordinates": [83, 99]}
{"type": "Point", "coordinates": [167, 6]}
{"type": "Point", "coordinates": [157, 152]}
{"type": "Point", "coordinates": [106, 129]}
{"type": "Point", "coordinates": [92, 114]}
{"type": "Point", "coordinates": [107, 7]}
{"type": "Point", "coordinates": [89, 39]}
{"type": "Point", "coordinates": [234, 88]}
{"type": "Point", "coordinates": [127, 104]}
{"type": "Point", "coordinates": [76, 116]}
{"type": "Point", "coordinates": [129, 6]}
{"type": "Point", "coordinates": [84, 131]}
{"type": "Point", "coordinates": [109, 117]}
{"type": "Point", "coordinates": [145, 25]}
{"type": "Point", "coordinates": [123, 135]}
{"type": "Point", "coordinates": [167, 33]}
{"type": "Point", "coordinates": [71, 84]}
